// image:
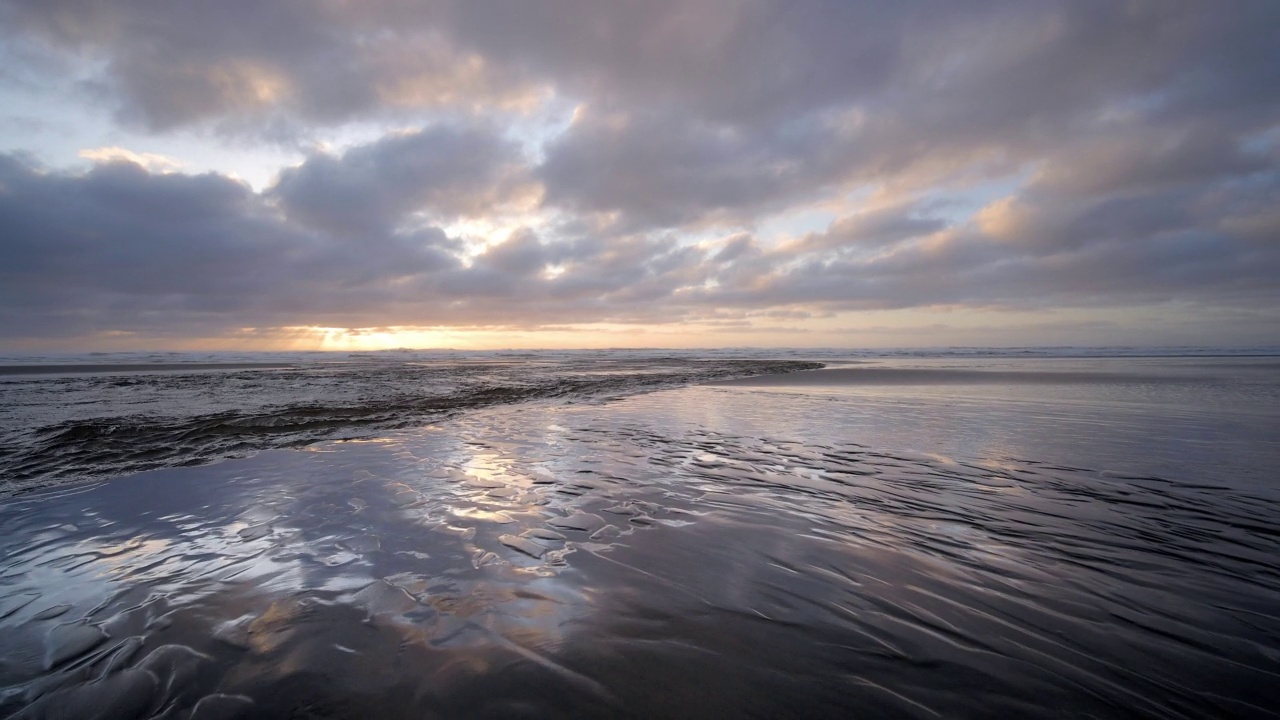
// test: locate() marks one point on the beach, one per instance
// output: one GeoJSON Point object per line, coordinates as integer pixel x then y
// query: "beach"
{"type": "Point", "coordinates": [903, 537]}
{"type": "Point", "coordinates": [686, 359]}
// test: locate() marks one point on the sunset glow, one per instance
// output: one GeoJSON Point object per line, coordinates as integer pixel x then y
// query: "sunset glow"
{"type": "Point", "coordinates": [505, 174]}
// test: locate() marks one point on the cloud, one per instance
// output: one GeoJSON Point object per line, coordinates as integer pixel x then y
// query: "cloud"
{"type": "Point", "coordinates": [664, 170]}
{"type": "Point", "coordinates": [962, 66]}
{"type": "Point", "coordinates": [976, 153]}
{"type": "Point", "coordinates": [240, 63]}
{"type": "Point", "coordinates": [444, 172]}
{"type": "Point", "coordinates": [1129, 93]}
{"type": "Point", "coordinates": [123, 249]}
{"type": "Point", "coordinates": [872, 230]}
{"type": "Point", "coordinates": [154, 162]}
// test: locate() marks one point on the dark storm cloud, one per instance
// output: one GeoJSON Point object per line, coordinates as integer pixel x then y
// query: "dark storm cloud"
{"type": "Point", "coordinates": [1137, 142]}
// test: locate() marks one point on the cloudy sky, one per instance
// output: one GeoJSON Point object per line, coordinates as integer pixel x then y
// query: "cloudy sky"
{"type": "Point", "coordinates": [506, 173]}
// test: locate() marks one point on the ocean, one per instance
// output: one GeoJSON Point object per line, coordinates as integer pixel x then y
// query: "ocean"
{"type": "Point", "coordinates": [957, 533]}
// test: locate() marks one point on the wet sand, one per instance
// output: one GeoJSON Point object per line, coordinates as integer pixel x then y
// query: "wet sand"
{"type": "Point", "coordinates": [676, 554]}
{"type": "Point", "coordinates": [64, 428]}
{"type": "Point", "coordinates": [942, 376]}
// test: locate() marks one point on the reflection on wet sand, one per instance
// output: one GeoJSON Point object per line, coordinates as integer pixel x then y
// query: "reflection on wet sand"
{"type": "Point", "coordinates": [618, 560]}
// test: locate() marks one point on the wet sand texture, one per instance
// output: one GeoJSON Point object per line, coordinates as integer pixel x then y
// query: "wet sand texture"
{"type": "Point", "coordinates": [65, 428]}
{"type": "Point", "coordinates": [930, 376]}
{"type": "Point", "coordinates": [638, 558]}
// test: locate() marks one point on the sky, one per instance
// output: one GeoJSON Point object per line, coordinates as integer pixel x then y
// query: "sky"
{"type": "Point", "coordinates": [360, 174]}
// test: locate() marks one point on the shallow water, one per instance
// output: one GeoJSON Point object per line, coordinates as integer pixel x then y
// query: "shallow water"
{"type": "Point", "coordinates": [951, 550]}
{"type": "Point", "coordinates": [67, 422]}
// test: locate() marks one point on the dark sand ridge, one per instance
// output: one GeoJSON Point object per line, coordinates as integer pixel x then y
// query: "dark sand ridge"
{"type": "Point", "coordinates": [931, 376]}
{"type": "Point", "coordinates": [66, 427]}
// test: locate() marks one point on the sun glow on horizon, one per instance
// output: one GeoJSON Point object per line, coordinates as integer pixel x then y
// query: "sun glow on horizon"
{"type": "Point", "coordinates": [366, 339]}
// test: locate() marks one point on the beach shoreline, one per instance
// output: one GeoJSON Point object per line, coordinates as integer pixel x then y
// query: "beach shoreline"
{"type": "Point", "coordinates": [703, 549]}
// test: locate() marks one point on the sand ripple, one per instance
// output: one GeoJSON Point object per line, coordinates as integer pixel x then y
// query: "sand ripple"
{"type": "Point", "coordinates": [609, 560]}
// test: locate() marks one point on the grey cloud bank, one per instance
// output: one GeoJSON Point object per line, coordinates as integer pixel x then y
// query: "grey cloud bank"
{"type": "Point", "coordinates": [982, 155]}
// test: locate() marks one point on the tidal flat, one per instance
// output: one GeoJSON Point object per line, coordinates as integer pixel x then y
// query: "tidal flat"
{"type": "Point", "coordinates": [936, 537]}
